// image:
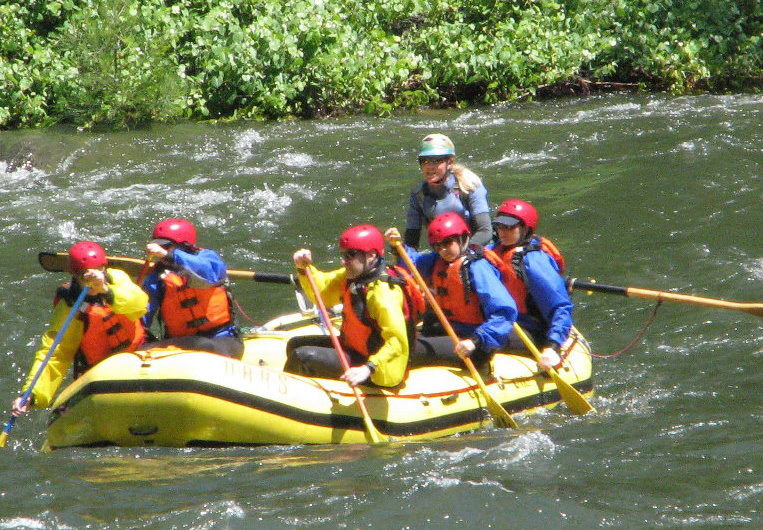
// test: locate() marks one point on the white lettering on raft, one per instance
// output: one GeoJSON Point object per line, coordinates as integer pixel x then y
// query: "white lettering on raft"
{"type": "Point", "coordinates": [272, 381]}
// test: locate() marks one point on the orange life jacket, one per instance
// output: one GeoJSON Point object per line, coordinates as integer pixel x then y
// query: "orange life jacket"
{"type": "Point", "coordinates": [510, 261]}
{"type": "Point", "coordinates": [359, 331]}
{"type": "Point", "coordinates": [189, 311]}
{"type": "Point", "coordinates": [107, 333]}
{"type": "Point", "coordinates": [456, 298]}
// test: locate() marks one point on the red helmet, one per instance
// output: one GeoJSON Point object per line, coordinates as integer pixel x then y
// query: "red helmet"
{"type": "Point", "coordinates": [362, 237]}
{"type": "Point", "coordinates": [447, 225]}
{"type": "Point", "coordinates": [86, 255]}
{"type": "Point", "coordinates": [174, 231]}
{"type": "Point", "coordinates": [512, 210]}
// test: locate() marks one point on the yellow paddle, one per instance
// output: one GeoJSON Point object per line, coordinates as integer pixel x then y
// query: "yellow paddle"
{"type": "Point", "coordinates": [574, 399]}
{"type": "Point", "coordinates": [59, 262]}
{"type": "Point", "coordinates": [501, 418]}
{"type": "Point", "coordinates": [636, 292]}
{"type": "Point", "coordinates": [374, 435]}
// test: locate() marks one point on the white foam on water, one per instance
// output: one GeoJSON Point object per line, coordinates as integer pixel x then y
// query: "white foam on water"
{"type": "Point", "coordinates": [520, 160]}
{"type": "Point", "coordinates": [520, 449]}
{"type": "Point", "coordinates": [14, 179]}
{"type": "Point", "coordinates": [681, 430]}
{"type": "Point", "coordinates": [246, 142]}
{"type": "Point", "coordinates": [43, 523]}
{"type": "Point", "coordinates": [68, 230]}
{"type": "Point", "coordinates": [23, 522]}
{"type": "Point", "coordinates": [209, 150]}
{"type": "Point", "coordinates": [298, 160]}
{"type": "Point", "coordinates": [713, 521]}
{"type": "Point", "coordinates": [745, 493]}
{"type": "Point", "coordinates": [755, 268]}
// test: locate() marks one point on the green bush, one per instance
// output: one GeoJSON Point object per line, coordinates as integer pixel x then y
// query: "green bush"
{"type": "Point", "coordinates": [119, 63]}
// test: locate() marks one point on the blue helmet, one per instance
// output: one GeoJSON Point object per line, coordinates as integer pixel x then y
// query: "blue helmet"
{"type": "Point", "coordinates": [437, 145]}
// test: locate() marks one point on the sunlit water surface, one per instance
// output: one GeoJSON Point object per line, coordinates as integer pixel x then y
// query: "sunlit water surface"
{"type": "Point", "coordinates": [647, 191]}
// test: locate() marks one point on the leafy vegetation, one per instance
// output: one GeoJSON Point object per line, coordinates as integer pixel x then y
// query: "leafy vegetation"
{"type": "Point", "coordinates": [123, 62]}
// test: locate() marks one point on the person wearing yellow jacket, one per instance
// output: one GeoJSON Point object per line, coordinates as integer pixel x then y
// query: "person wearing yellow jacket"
{"type": "Point", "coordinates": [375, 328]}
{"type": "Point", "coordinates": [107, 322]}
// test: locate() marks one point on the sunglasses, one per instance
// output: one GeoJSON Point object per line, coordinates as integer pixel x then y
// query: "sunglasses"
{"type": "Point", "coordinates": [444, 243]}
{"type": "Point", "coordinates": [348, 255]}
{"type": "Point", "coordinates": [424, 160]}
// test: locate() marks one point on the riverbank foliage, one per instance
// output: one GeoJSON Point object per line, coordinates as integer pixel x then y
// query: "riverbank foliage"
{"type": "Point", "coordinates": [124, 62]}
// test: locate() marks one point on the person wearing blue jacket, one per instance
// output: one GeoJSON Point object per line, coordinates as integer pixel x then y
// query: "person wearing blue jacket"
{"type": "Point", "coordinates": [188, 294]}
{"type": "Point", "coordinates": [447, 187]}
{"type": "Point", "coordinates": [470, 293]}
{"type": "Point", "coordinates": [533, 275]}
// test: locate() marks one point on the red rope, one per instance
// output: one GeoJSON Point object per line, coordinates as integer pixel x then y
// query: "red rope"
{"type": "Point", "coordinates": [244, 314]}
{"type": "Point", "coordinates": [638, 337]}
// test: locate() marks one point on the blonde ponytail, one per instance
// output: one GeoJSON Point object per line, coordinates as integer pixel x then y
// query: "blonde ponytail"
{"type": "Point", "coordinates": [467, 180]}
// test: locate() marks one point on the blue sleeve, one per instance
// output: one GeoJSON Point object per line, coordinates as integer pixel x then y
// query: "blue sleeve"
{"type": "Point", "coordinates": [477, 201]}
{"type": "Point", "coordinates": [414, 217]}
{"type": "Point", "coordinates": [498, 306]}
{"type": "Point", "coordinates": [203, 269]}
{"type": "Point", "coordinates": [425, 262]}
{"type": "Point", "coordinates": [153, 287]}
{"type": "Point", "coordinates": [547, 288]}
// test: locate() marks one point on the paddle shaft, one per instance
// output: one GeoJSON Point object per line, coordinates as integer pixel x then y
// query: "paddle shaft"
{"type": "Point", "coordinates": [636, 292]}
{"type": "Point", "coordinates": [574, 399]}
{"type": "Point", "coordinates": [59, 337]}
{"type": "Point", "coordinates": [59, 262]}
{"type": "Point", "coordinates": [375, 436]}
{"type": "Point", "coordinates": [500, 416]}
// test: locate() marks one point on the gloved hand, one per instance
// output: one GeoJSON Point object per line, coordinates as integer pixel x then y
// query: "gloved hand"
{"type": "Point", "coordinates": [357, 375]}
{"type": "Point", "coordinates": [96, 280]}
{"type": "Point", "coordinates": [392, 235]}
{"type": "Point", "coordinates": [549, 358]}
{"type": "Point", "coordinates": [465, 348]}
{"type": "Point", "coordinates": [17, 409]}
{"type": "Point", "coordinates": [302, 258]}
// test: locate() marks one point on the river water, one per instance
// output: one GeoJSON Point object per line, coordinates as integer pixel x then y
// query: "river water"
{"type": "Point", "coordinates": [646, 191]}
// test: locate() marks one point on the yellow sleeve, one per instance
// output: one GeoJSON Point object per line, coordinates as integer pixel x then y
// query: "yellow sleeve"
{"type": "Point", "coordinates": [59, 363]}
{"type": "Point", "coordinates": [129, 299]}
{"type": "Point", "coordinates": [330, 284]}
{"type": "Point", "coordinates": [385, 306]}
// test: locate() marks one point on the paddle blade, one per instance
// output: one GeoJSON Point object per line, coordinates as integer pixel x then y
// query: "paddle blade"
{"type": "Point", "coordinates": [570, 395]}
{"type": "Point", "coordinates": [501, 418]}
{"type": "Point", "coordinates": [574, 399]}
{"type": "Point", "coordinates": [6, 431]}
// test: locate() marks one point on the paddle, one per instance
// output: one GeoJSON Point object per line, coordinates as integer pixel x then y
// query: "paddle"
{"type": "Point", "coordinates": [374, 435]}
{"type": "Point", "coordinates": [59, 262]}
{"type": "Point", "coordinates": [144, 270]}
{"type": "Point", "coordinates": [56, 341]}
{"type": "Point", "coordinates": [635, 292]}
{"type": "Point", "coordinates": [574, 399]}
{"type": "Point", "coordinates": [501, 418]}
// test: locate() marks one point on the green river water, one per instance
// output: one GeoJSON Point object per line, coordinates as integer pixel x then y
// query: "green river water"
{"type": "Point", "coordinates": [648, 191]}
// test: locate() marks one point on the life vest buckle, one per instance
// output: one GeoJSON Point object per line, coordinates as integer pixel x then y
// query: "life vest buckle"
{"type": "Point", "coordinates": [113, 329]}
{"type": "Point", "coordinates": [197, 322]}
{"type": "Point", "coordinates": [189, 302]}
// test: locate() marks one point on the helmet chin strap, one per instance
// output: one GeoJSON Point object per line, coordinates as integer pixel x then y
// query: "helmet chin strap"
{"type": "Point", "coordinates": [368, 269]}
{"type": "Point", "coordinates": [463, 242]}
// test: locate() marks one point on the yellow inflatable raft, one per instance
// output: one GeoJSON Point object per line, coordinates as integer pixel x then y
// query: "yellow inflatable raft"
{"type": "Point", "coordinates": [177, 398]}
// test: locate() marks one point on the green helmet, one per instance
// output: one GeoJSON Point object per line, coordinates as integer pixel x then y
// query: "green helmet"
{"type": "Point", "coordinates": [437, 145]}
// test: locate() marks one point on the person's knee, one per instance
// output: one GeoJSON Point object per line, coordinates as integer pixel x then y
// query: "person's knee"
{"type": "Point", "coordinates": [300, 359]}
